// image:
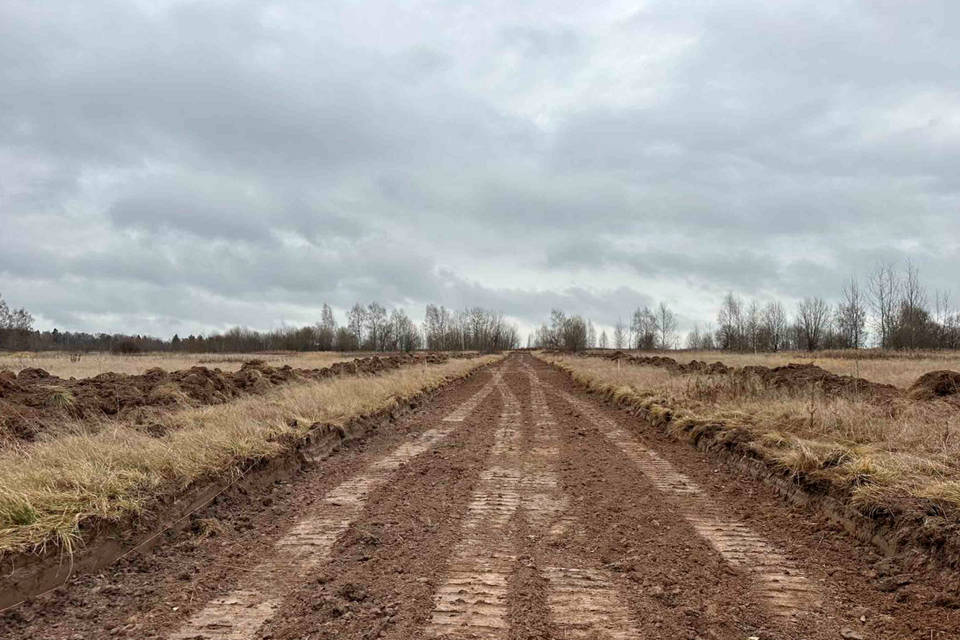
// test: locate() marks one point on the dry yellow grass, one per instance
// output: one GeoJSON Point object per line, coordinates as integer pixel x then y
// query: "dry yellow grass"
{"type": "Point", "coordinates": [880, 452]}
{"type": "Point", "coordinates": [59, 363]}
{"type": "Point", "coordinates": [887, 367]}
{"type": "Point", "coordinates": [47, 489]}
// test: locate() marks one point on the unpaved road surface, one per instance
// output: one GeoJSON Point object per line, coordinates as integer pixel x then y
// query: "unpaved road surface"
{"type": "Point", "coordinates": [512, 506]}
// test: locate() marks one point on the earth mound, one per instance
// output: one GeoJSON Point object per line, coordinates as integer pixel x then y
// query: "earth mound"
{"type": "Point", "coordinates": [936, 384]}
{"type": "Point", "coordinates": [791, 376]}
{"type": "Point", "coordinates": [34, 401]}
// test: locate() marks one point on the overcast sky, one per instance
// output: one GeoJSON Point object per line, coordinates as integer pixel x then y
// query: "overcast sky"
{"type": "Point", "coordinates": [179, 167]}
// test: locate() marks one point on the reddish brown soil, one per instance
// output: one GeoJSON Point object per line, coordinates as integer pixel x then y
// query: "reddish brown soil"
{"type": "Point", "coordinates": [34, 401]}
{"type": "Point", "coordinates": [930, 523]}
{"type": "Point", "coordinates": [385, 568]}
{"type": "Point", "coordinates": [858, 580]}
{"type": "Point", "coordinates": [149, 595]}
{"type": "Point", "coordinates": [936, 384]}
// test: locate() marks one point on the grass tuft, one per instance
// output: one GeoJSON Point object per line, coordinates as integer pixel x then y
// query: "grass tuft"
{"type": "Point", "coordinates": [60, 397]}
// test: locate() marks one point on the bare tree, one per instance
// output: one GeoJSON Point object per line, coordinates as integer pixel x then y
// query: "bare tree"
{"type": "Point", "coordinates": [753, 326]}
{"type": "Point", "coordinates": [4, 314]}
{"type": "Point", "coordinates": [943, 314]}
{"type": "Point", "coordinates": [356, 321]}
{"type": "Point", "coordinates": [404, 332]}
{"type": "Point", "coordinates": [15, 326]}
{"type": "Point", "coordinates": [619, 334]}
{"type": "Point", "coordinates": [852, 314]}
{"type": "Point", "coordinates": [706, 338]}
{"type": "Point", "coordinates": [884, 287]}
{"type": "Point", "coordinates": [574, 334]}
{"type": "Point", "coordinates": [913, 317]}
{"type": "Point", "coordinates": [603, 339]}
{"type": "Point", "coordinates": [694, 338]}
{"type": "Point", "coordinates": [558, 323]}
{"type": "Point", "coordinates": [431, 327]}
{"type": "Point", "coordinates": [644, 329]}
{"type": "Point", "coordinates": [378, 326]}
{"type": "Point", "coordinates": [327, 329]}
{"type": "Point", "coordinates": [812, 317]}
{"type": "Point", "coordinates": [730, 318]}
{"type": "Point", "coordinates": [478, 326]}
{"type": "Point", "coordinates": [666, 325]}
{"type": "Point", "coordinates": [775, 325]}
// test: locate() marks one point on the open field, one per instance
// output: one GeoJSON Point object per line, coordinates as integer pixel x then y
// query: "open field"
{"type": "Point", "coordinates": [49, 489]}
{"type": "Point", "coordinates": [59, 363]}
{"type": "Point", "coordinates": [900, 369]}
{"type": "Point", "coordinates": [511, 506]}
{"type": "Point", "coordinates": [885, 451]}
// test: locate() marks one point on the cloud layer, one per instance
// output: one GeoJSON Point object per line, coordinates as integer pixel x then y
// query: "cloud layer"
{"type": "Point", "coordinates": [185, 166]}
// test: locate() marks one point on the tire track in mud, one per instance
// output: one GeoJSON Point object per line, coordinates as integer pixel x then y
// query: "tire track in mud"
{"type": "Point", "coordinates": [468, 407]}
{"type": "Point", "coordinates": [779, 582]}
{"type": "Point", "coordinates": [488, 591]}
{"type": "Point", "coordinates": [582, 600]}
{"type": "Point", "coordinates": [672, 582]}
{"type": "Point", "coordinates": [239, 614]}
{"type": "Point", "coordinates": [382, 574]}
{"type": "Point", "coordinates": [473, 598]}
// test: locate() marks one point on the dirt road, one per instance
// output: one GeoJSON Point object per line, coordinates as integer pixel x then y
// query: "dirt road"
{"type": "Point", "coordinates": [512, 506]}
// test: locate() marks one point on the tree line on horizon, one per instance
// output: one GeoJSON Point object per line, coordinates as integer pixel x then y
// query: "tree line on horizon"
{"type": "Point", "coordinates": [367, 328]}
{"type": "Point", "coordinates": [891, 310]}
{"type": "Point", "coordinates": [648, 329]}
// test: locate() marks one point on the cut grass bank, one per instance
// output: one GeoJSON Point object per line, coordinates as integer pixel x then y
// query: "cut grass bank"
{"type": "Point", "coordinates": [898, 368]}
{"type": "Point", "coordinates": [896, 462]}
{"type": "Point", "coordinates": [49, 490]}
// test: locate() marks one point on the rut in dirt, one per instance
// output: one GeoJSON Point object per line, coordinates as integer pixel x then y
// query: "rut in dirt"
{"type": "Point", "coordinates": [240, 614]}
{"type": "Point", "coordinates": [523, 510]}
{"type": "Point", "coordinates": [475, 600]}
{"type": "Point", "coordinates": [780, 583]}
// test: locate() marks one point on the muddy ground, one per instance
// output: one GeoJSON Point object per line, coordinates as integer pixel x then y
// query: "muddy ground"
{"type": "Point", "coordinates": [532, 512]}
{"type": "Point", "coordinates": [35, 402]}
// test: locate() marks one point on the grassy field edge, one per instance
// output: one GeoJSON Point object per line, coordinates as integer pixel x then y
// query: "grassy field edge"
{"type": "Point", "coordinates": [880, 515]}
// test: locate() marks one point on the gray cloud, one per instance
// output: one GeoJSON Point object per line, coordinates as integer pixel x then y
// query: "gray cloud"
{"type": "Point", "coordinates": [169, 167]}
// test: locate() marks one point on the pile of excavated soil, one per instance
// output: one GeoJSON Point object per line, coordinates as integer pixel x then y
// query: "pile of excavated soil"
{"type": "Point", "coordinates": [936, 384]}
{"type": "Point", "coordinates": [34, 401]}
{"type": "Point", "coordinates": [805, 376]}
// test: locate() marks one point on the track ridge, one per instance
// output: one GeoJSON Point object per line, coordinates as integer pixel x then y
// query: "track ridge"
{"type": "Point", "coordinates": [239, 614]}
{"type": "Point", "coordinates": [780, 585]}
{"type": "Point", "coordinates": [472, 601]}
{"type": "Point", "coordinates": [460, 413]}
{"type": "Point", "coordinates": [583, 602]}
